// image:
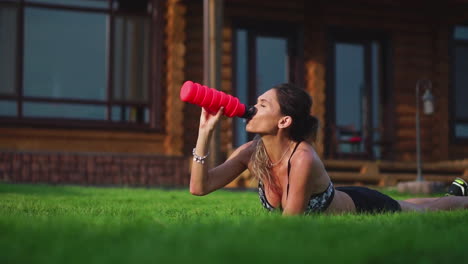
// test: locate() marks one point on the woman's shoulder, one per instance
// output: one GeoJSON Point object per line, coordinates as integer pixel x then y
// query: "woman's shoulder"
{"type": "Point", "coordinates": [244, 152]}
{"type": "Point", "coordinates": [249, 145]}
{"type": "Point", "coordinates": [307, 163]}
{"type": "Point", "coordinates": [305, 154]}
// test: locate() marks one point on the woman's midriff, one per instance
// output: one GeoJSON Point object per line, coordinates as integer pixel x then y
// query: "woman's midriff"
{"type": "Point", "coordinates": [341, 203]}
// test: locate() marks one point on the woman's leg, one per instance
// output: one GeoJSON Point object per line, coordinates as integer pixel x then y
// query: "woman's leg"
{"type": "Point", "coordinates": [435, 204]}
{"type": "Point", "coordinates": [421, 200]}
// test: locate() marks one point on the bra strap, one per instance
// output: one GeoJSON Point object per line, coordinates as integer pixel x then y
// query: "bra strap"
{"type": "Point", "coordinates": [289, 167]}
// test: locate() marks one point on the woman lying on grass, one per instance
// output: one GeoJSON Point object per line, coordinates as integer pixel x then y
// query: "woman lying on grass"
{"type": "Point", "coordinates": [291, 175]}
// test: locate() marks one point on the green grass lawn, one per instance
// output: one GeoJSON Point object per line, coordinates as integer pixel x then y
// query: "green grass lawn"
{"type": "Point", "coordinates": [64, 224]}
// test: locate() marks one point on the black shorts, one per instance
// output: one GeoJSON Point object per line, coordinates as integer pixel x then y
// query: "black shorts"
{"type": "Point", "coordinates": [370, 201]}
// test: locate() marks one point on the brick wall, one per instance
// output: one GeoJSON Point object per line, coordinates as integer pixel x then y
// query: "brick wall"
{"type": "Point", "coordinates": [93, 169]}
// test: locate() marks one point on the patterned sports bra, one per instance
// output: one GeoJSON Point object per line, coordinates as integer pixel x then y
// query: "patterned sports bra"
{"type": "Point", "coordinates": [317, 203]}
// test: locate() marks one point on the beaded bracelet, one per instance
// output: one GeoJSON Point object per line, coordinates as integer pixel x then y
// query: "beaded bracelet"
{"type": "Point", "coordinates": [199, 159]}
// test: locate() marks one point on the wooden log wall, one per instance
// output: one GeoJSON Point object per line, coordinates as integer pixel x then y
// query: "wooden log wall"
{"type": "Point", "coordinates": [420, 49]}
{"type": "Point", "coordinates": [72, 140]}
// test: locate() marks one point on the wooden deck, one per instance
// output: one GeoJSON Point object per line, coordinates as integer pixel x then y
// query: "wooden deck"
{"type": "Point", "coordinates": [379, 173]}
{"type": "Point", "coordinates": [390, 173]}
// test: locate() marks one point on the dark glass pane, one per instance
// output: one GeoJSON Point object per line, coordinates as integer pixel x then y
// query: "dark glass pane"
{"type": "Point", "coordinates": [130, 114]}
{"type": "Point", "coordinates": [65, 54]}
{"type": "Point", "coordinates": [272, 62]}
{"type": "Point", "coordinates": [75, 111]}
{"type": "Point", "coordinates": [349, 83]}
{"type": "Point", "coordinates": [8, 49]}
{"type": "Point", "coordinates": [349, 95]}
{"type": "Point", "coordinates": [8, 108]}
{"type": "Point", "coordinates": [80, 3]}
{"type": "Point", "coordinates": [131, 58]}
{"type": "Point", "coordinates": [461, 130]}
{"type": "Point", "coordinates": [376, 103]}
{"type": "Point", "coordinates": [461, 32]}
{"type": "Point", "coordinates": [241, 83]}
{"type": "Point", "coordinates": [461, 82]}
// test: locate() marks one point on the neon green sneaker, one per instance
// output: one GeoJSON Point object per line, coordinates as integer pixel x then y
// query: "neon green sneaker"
{"type": "Point", "coordinates": [459, 187]}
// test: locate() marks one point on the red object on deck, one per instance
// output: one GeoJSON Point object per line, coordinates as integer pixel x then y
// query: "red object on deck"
{"type": "Point", "coordinates": [355, 140]}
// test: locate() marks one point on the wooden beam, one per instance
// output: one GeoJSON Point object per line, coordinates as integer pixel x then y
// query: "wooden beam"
{"type": "Point", "coordinates": [175, 63]}
{"type": "Point", "coordinates": [212, 45]}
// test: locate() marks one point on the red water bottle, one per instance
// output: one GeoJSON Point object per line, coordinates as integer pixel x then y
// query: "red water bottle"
{"type": "Point", "coordinates": [212, 99]}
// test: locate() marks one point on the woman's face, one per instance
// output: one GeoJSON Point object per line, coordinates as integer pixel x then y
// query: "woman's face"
{"type": "Point", "coordinates": [265, 121]}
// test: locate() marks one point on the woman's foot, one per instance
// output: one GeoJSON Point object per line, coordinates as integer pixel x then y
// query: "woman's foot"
{"type": "Point", "coordinates": [458, 188]}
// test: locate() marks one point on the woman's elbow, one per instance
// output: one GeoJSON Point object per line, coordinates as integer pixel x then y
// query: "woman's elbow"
{"type": "Point", "coordinates": [197, 191]}
{"type": "Point", "coordinates": [288, 211]}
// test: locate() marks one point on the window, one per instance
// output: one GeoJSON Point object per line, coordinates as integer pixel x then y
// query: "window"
{"type": "Point", "coordinates": [460, 83]}
{"type": "Point", "coordinates": [264, 55]}
{"type": "Point", "coordinates": [79, 62]}
{"type": "Point", "coordinates": [357, 97]}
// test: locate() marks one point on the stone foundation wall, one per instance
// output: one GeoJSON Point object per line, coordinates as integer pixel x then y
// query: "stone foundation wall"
{"type": "Point", "coordinates": [93, 169]}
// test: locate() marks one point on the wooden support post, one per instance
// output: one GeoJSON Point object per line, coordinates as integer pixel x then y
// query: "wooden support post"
{"type": "Point", "coordinates": [212, 33]}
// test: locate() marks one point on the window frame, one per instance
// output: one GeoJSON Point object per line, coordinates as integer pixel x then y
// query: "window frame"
{"type": "Point", "coordinates": [452, 91]}
{"type": "Point", "coordinates": [154, 104]}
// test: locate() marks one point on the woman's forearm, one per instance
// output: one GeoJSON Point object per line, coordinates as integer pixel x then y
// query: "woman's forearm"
{"type": "Point", "coordinates": [199, 178]}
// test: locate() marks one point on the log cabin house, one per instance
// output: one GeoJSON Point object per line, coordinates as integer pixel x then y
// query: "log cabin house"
{"type": "Point", "coordinates": [89, 89]}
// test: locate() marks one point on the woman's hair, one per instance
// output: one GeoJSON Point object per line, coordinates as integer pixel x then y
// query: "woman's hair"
{"type": "Point", "coordinates": [261, 165]}
{"type": "Point", "coordinates": [296, 103]}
